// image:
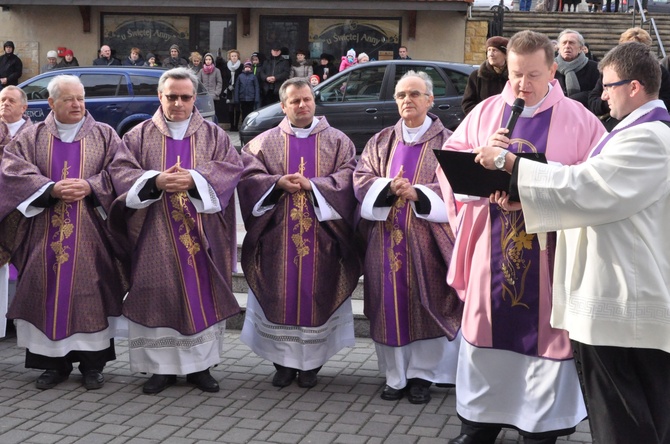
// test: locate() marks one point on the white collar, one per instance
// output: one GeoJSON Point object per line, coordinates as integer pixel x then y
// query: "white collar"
{"type": "Point", "coordinates": [303, 133]}
{"type": "Point", "coordinates": [178, 129]}
{"type": "Point", "coordinates": [411, 135]}
{"type": "Point", "coordinates": [68, 131]}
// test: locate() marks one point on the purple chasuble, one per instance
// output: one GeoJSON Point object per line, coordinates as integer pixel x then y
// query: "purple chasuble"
{"type": "Point", "coordinates": [65, 162]}
{"type": "Point", "coordinates": [186, 228]}
{"type": "Point", "coordinates": [652, 116]}
{"type": "Point", "coordinates": [515, 255]}
{"type": "Point", "coordinates": [397, 265]}
{"type": "Point", "coordinates": [301, 235]}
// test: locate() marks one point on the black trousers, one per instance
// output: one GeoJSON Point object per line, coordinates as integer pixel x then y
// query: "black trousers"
{"type": "Point", "coordinates": [88, 360]}
{"type": "Point", "coordinates": [627, 393]}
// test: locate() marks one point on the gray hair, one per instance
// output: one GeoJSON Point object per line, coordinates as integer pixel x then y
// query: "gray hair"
{"type": "Point", "coordinates": [423, 76]}
{"type": "Point", "coordinates": [580, 38]}
{"type": "Point", "coordinates": [180, 73]}
{"type": "Point", "coordinates": [298, 82]}
{"type": "Point", "coordinates": [22, 93]}
{"type": "Point", "coordinates": [54, 85]}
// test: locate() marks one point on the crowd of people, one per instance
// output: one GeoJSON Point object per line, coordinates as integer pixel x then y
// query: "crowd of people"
{"type": "Point", "coordinates": [543, 303]}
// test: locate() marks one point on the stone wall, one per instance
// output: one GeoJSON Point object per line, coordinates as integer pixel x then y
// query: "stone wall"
{"type": "Point", "coordinates": [475, 41]}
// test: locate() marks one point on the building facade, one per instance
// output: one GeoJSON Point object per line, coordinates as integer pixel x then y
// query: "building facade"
{"type": "Point", "coordinates": [430, 29]}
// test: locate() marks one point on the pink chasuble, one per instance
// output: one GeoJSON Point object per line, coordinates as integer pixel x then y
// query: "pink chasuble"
{"type": "Point", "coordinates": [186, 234]}
{"type": "Point", "coordinates": [300, 235]}
{"type": "Point", "coordinates": [397, 265]}
{"type": "Point", "coordinates": [515, 255]}
{"type": "Point", "coordinates": [65, 161]}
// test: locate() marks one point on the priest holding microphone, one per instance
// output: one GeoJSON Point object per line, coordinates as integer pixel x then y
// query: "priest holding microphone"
{"type": "Point", "coordinates": [514, 369]}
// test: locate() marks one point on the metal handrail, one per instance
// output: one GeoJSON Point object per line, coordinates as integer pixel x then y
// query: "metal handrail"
{"type": "Point", "coordinates": [653, 29]}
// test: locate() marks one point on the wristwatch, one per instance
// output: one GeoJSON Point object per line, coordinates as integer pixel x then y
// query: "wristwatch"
{"type": "Point", "coordinates": [499, 161]}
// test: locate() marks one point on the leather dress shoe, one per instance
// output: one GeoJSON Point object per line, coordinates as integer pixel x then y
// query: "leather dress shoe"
{"type": "Point", "coordinates": [307, 378]}
{"type": "Point", "coordinates": [419, 391]}
{"type": "Point", "coordinates": [204, 381]}
{"type": "Point", "coordinates": [391, 394]}
{"type": "Point", "coordinates": [158, 383]}
{"type": "Point", "coordinates": [284, 376]}
{"type": "Point", "coordinates": [444, 385]}
{"type": "Point", "coordinates": [50, 379]}
{"type": "Point", "coordinates": [93, 379]}
{"type": "Point", "coordinates": [463, 439]}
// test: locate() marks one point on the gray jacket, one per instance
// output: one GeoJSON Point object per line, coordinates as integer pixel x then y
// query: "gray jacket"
{"type": "Point", "coordinates": [213, 82]}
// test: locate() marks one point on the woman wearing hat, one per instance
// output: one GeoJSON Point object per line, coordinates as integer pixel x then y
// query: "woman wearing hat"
{"type": "Point", "coordinates": [68, 60]}
{"type": "Point", "coordinates": [52, 59]}
{"type": "Point", "coordinates": [491, 77]}
{"type": "Point", "coordinates": [325, 68]}
{"type": "Point", "coordinates": [301, 67]}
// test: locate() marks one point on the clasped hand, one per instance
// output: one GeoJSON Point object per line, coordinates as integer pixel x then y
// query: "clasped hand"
{"type": "Point", "coordinates": [402, 187]}
{"type": "Point", "coordinates": [175, 179]}
{"type": "Point", "coordinates": [71, 190]}
{"type": "Point", "coordinates": [294, 182]}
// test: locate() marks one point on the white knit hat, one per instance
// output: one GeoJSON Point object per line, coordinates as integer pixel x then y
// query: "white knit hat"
{"type": "Point", "coordinates": [52, 54]}
{"type": "Point", "coordinates": [351, 53]}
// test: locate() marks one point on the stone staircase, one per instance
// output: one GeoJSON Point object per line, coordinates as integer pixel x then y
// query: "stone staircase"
{"type": "Point", "coordinates": [601, 31]}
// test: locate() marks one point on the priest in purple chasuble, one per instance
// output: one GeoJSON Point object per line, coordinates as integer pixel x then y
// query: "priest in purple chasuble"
{"type": "Point", "coordinates": [13, 105]}
{"type": "Point", "coordinates": [414, 315]}
{"type": "Point", "coordinates": [57, 191]}
{"type": "Point", "coordinates": [514, 368]}
{"type": "Point", "coordinates": [299, 254]}
{"type": "Point", "coordinates": [179, 220]}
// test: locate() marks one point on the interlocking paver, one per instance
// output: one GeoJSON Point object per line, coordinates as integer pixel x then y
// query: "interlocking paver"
{"type": "Point", "coordinates": [344, 408]}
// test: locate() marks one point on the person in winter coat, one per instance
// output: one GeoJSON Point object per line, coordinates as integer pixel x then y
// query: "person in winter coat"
{"type": "Point", "coordinates": [210, 76]}
{"type": "Point", "coordinates": [348, 60]}
{"type": "Point", "coordinates": [325, 68]}
{"type": "Point", "coordinates": [275, 71]}
{"type": "Point", "coordinates": [106, 58]}
{"type": "Point", "coordinates": [490, 78]}
{"type": "Point", "coordinates": [229, 72]}
{"type": "Point", "coordinates": [301, 67]}
{"type": "Point", "coordinates": [11, 66]}
{"type": "Point", "coordinates": [68, 60]}
{"type": "Point", "coordinates": [134, 59]}
{"type": "Point", "coordinates": [195, 60]}
{"type": "Point", "coordinates": [247, 91]}
{"type": "Point", "coordinates": [152, 61]}
{"type": "Point", "coordinates": [174, 61]}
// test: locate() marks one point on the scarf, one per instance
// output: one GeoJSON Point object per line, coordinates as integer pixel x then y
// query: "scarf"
{"type": "Point", "coordinates": [233, 69]}
{"type": "Point", "coordinates": [208, 69]}
{"type": "Point", "coordinates": [568, 69]}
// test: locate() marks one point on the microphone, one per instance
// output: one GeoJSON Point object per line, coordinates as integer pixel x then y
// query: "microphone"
{"type": "Point", "coordinates": [517, 109]}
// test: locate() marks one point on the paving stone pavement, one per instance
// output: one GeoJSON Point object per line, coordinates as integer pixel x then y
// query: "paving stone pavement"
{"type": "Point", "coordinates": [344, 408]}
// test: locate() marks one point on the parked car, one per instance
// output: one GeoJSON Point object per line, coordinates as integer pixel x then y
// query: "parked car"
{"type": "Point", "coordinates": [359, 100]}
{"type": "Point", "coordinates": [120, 96]}
{"type": "Point", "coordinates": [490, 4]}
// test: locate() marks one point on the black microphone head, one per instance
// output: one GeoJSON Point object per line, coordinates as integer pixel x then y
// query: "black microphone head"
{"type": "Point", "coordinates": [517, 106]}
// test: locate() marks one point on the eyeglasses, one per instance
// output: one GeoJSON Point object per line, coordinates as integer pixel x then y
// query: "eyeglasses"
{"type": "Point", "coordinates": [608, 86]}
{"type": "Point", "coordinates": [412, 95]}
{"type": "Point", "coordinates": [174, 97]}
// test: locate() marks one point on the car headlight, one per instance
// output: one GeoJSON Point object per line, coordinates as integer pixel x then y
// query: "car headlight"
{"type": "Point", "coordinates": [249, 121]}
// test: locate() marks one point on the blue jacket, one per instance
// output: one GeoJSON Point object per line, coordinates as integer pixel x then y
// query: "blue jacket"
{"type": "Point", "coordinates": [247, 88]}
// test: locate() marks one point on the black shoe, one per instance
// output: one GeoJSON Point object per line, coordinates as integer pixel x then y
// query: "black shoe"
{"type": "Point", "coordinates": [463, 439]}
{"type": "Point", "coordinates": [93, 379]}
{"type": "Point", "coordinates": [307, 378]}
{"type": "Point", "coordinates": [50, 379]}
{"type": "Point", "coordinates": [204, 381]}
{"type": "Point", "coordinates": [284, 376]}
{"type": "Point", "coordinates": [418, 391]}
{"type": "Point", "coordinates": [445, 385]}
{"type": "Point", "coordinates": [158, 383]}
{"type": "Point", "coordinates": [391, 394]}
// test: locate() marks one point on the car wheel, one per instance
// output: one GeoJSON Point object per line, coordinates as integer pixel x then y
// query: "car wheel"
{"type": "Point", "coordinates": [128, 127]}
